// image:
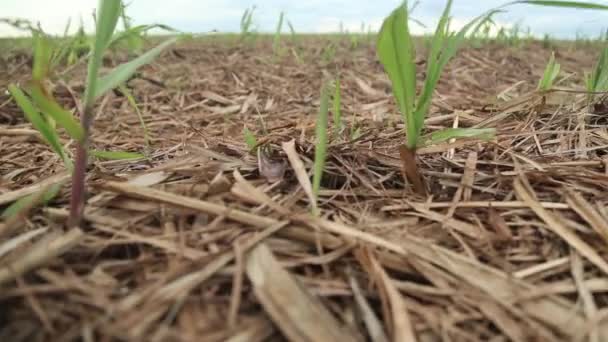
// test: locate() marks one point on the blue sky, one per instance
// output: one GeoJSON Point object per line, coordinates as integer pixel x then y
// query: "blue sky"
{"type": "Point", "coordinates": [306, 16]}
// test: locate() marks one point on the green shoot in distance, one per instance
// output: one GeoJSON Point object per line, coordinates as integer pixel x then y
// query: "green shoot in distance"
{"type": "Point", "coordinates": [337, 111]}
{"type": "Point", "coordinates": [276, 43]}
{"type": "Point", "coordinates": [550, 75]}
{"type": "Point", "coordinates": [321, 141]}
{"type": "Point", "coordinates": [597, 79]}
{"type": "Point", "coordinates": [247, 23]}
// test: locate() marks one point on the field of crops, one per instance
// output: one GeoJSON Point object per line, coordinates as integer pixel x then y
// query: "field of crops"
{"type": "Point", "coordinates": [254, 187]}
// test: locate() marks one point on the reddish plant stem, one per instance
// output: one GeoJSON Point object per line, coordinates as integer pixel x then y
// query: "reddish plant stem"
{"type": "Point", "coordinates": [410, 169]}
{"type": "Point", "coordinates": [77, 197]}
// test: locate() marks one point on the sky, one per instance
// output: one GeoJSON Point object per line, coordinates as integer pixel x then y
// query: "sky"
{"type": "Point", "coordinates": [312, 16]}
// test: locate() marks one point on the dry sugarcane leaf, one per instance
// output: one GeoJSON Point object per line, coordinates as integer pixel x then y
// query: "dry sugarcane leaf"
{"type": "Point", "coordinates": [588, 213]}
{"type": "Point", "coordinates": [401, 325]}
{"type": "Point", "coordinates": [558, 227]}
{"type": "Point", "coordinates": [300, 170]}
{"type": "Point", "coordinates": [43, 251]}
{"type": "Point", "coordinates": [555, 312]}
{"type": "Point", "coordinates": [372, 322]}
{"type": "Point", "coordinates": [297, 313]}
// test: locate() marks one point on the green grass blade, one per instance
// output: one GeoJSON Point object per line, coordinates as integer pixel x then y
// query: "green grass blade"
{"type": "Point", "coordinates": [50, 107]}
{"type": "Point", "coordinates": [250, 139]}
{"type": "Point", "coordinates": [136, 33]}
{"type": "Point", "coordinates": [42, 56]}
{"type": "Point", "coordinates": [131, 99]}
{"type": "Point", "coordinates": [337, 112]}
{"type": "Point", "coordinates": [600, 72]}
{"type": "Point", "coordinates": [321, 143]}
{"type": "Point", "coordinates": [444, 47]}
{"type": "Point", "coordinates": [276, 43]}
{"type": "Point", "coordinates": [438, 51]}
{"type": "Point", "coordinates": [122, 73]}
{"type": "Point", "coordinates": [109, 12]}
{"type": "Point", "coordinates": [454, 133]}
{"type": "Point", "coordinates": [34, 117]}
{"type": "Point", "coordinates": [567, 4]}
{"type": "Point", "coordinates": [550, 74]}
{"type": "Point", "coordinates": [28, 202]}
{"type": "Point", "coordinates": [292, 30]}
{"type": "Point", "coordinates": [116, 155]}
{"type": "Point", "coordinates": [397, 54]}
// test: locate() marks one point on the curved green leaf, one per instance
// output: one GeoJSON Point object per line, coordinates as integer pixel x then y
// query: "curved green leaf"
{"type": "Point", "coordinates": [131, 99]}
{"type": "Point", "coordinates": [567, 4]}
{"type": "Point", "coordinates": [124, 71]}
{"type": "Point", "coordinates": [50, 107]}
{"type": "Point", "coordinates": [107, 18]}
{"type": "Point", "coordinates": [116, 155]}
{"type": "Point", "coordinates": [34, 117]}
{"type": "Point", "coordinates": [397, 54]}
{"type": "Point", "coordinates": [42, 56]}
{"type": "Point", "coordinates": [28, 202]}
{"type": "Point", "coordinates": [550, 74]}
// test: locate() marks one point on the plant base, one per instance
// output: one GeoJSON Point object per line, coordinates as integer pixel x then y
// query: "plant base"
{"type": "Point", "coordinates": [410, 169]}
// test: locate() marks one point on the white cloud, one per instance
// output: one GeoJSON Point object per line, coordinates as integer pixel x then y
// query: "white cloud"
{"type": "Point", "coordinates": [52, 15]}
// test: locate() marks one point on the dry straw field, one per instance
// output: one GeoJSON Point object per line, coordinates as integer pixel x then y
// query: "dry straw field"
{"type": "Point", "coordinates": [253, 187]}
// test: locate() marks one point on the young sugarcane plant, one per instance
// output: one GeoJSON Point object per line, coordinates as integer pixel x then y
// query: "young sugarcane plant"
{"type": "Point", "coordinates": [44, 112]}
{"type": "Point", "coordinates": [552, 69]}
{"type": "Point", "coordinates": [547, 82]}
{"type": "Point", "coordinates": [597, 80]}
{"type": "Point", "coordinates": [96, 86]}
{"type": "Point", "coordinates": [276, 43]}
{"type": "Point", "coordinates": [320, 144]}
{"type": "Point", "coordinates": [396, 51]}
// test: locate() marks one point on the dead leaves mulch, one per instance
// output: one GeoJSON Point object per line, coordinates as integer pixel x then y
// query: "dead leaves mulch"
{"type": "Point", "coordinates": [205, 241]}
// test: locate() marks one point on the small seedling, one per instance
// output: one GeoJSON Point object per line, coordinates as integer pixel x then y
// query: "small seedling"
{"type": "Point", "coordinates": [276, 43]}
{"type": "Point", "coordinates": [295, 41]}
{"type": "Point", "coordinates": [43, 111]}
{"type": "Point", "coordinates": [597, 79]}
{"type": "Point", "coordinates": [547, 41]}
{"type": "Point", "coordinates": [329, 52]}
{"type": "Point", "coordinates": [396, 51]}
{"type": "Point", "coordinates": [337, 111]}
{"type": "Point", "coordinates": [321, 141]}
{"type": "Point", "coordinates": [247, 23]}
{"type": "Point", "coordinates": [131, 100]}
{"type": "Point", "coordinates": [250, 139]}
{"type": "Point", "coordinates": [549, 76]}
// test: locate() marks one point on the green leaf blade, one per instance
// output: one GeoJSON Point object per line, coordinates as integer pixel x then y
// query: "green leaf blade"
{"type": "Point", "coordinates": [50, 107]}
{"type": "Point", "coordinates": [116, 155]}
{"type": "Point", "coordinates": [337, 112]}
{"type": "Point", "coordinates": [42, 56]}
{"type": "Point", "coordinates": [109, 12]}
{"type": "Point", "coordinates": [24, 204]}
{"type": "Point", "coordinates": [397, 54]}
{"type": "Point", "coordinates": [321, 143]}
{"type": "Point", "coordinates": [250, 139]}
{"type": "Point", "coordinates": [34, 117]}
{"type": "Point", "coordinates": [566, 4]}
{"type": "Point", "coordinates": [124, 71]}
